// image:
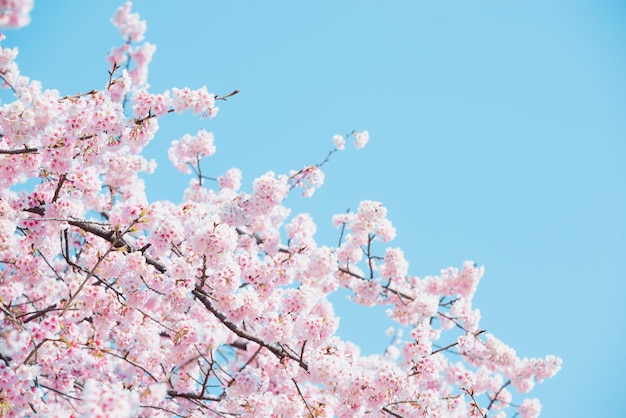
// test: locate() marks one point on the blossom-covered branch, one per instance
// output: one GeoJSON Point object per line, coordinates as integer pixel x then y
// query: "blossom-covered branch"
{"type": "Point", "coordinates": [218, 305]}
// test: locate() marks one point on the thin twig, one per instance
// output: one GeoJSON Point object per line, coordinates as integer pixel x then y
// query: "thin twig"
{"type": "Point", "coordinates": [302, 397]}
{"type": "Point", "coordinates": [495, 396]}
{"type": "Point", "coordinates": [476, 334]}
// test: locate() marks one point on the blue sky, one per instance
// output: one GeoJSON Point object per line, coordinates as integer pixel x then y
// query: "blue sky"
{"type": "Point", "coordinates": [497, 135]}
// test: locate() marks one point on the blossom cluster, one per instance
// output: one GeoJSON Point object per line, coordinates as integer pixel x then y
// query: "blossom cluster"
{"type": "Point", "coordinates": [115, 305]}
{"type": "Point", "coordinates": [360, 140]}
{"type": "Point", "coordinates": [15, 13]}
{"type": "Point", "coordinates": [133, 29]}
{"type": "Point", "coordinates": [200, 101]}
{"type": "Point", "coordinates": [190, 149]}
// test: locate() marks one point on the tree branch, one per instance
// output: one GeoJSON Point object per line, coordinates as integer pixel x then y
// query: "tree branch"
{"type": "Point", "coordinates": [495, 396]}
{"type": "Point", "coordinates": [193, 396]}
{"type": "Point", "coordinates": [303, 398]}
{"type": "Point", "coordinates": [106, 234]}
{"type": "Point", "coordinates": [280, 353]}
{"type": "Point", "coordinates": [25, 150]}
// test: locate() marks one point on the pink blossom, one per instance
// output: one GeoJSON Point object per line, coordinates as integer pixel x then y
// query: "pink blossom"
{"type": "Point", "coordinates": [458, 375]}
{"type": "Point", "coordinates": [247, 382]}
{"type": "Point", "coordinates": [361, 139]}
{"type": "Point", "coordinates": [145, 103]}
{"type": "Point", "coordinates": [108, 400]}
{"type": "Point", "coordinates": [119, 55]}
{"type": "Point", "coordinates": [339, 141]}
{"type": "Point", "coordinates": [141, 56]}
{"type": "Point", "coordinates": [189, 149]}
{"type": "Point", "coordinates": [15, 13]}
{"type": "Point", "coordinates": [128, 213]}
{"type": "Point", "coordinates": [231, 180]}
{"type": "Point", "coordinates": [268, 191]}
{"type": "Point", "coordinates": [309, 178]}
{"type": "Point", "coordinates": [200, 101]}
{"type": "Point", "coordinates": [129, 24]}
{"type": "Point", "coordinates": [395, 265]}
{"type": "Point", "coordinates": [300, 231]}
{"type": "Point", "coordinates": [466, 342]}
{"type": "Point", "coordinates": [115, 305]}
{"type": "Point", "coordinates": [547, 367]}
{"type": "Point", "coordinates": [7, 55]}
{"type": "Point", "coordinates": [371, 219]}
{"type": "Point", "coordinates": [530, 408]}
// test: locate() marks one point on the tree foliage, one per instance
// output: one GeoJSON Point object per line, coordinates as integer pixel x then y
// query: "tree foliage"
{"type": "Point", "coordinates": [112, 305]}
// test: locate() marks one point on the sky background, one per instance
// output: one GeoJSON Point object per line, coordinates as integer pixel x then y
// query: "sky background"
{"type": "Point", "coordinates": [497, 135]}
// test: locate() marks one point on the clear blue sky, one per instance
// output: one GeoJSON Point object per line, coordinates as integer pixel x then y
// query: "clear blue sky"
{"type": "Point", "coordinates": [497, 130]}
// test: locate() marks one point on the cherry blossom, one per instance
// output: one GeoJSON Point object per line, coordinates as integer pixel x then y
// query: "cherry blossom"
{"type": "Point", "coordinates": [15, 13]}
{"type": "Point", "coordinates": [189, 149]}
{"type": "Point", "coordinates": [361, 139]}
{"type": "Point", "coordinates": [216, 305]}
{"type": "Point", "coordinates": [131, 27]}
{"type": "Point", "coordinates": [339, 141]}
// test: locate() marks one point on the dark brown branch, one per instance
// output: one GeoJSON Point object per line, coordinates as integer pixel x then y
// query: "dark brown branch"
{"type": "Point", "coordinates": [343, 229]}
{"type": "Point", "coordinates": [106, 234]}
{"type": "Point", "coordinates": [34, 352]}
{"type": "Point", "coordinates": [388, 289]}
{"type": "Point", "coordinates": [205, 381]}
{"type": "Point", "coordinates": [390, 412]}
{"type": "Point", "coordinates": [302, 397]}
{"type": "Point", "coordinates": [3, 78]}
{"type": "Point", "coordinates": [192, 396]}
{"type": "Point", "coordinates": [79, 95]}
{"type": "Point", "coordinates": [476, 334]}
{"type": "Point", "coordinates": [124, 358]}
{"type": "Point", "coordinates": [58, 392]}
{"type": "Point", "coordinates": [242, 345]}
{"type": "Point", "coordinates": [453, 320]}
{"type": "Point", "coordinates": [370, 238]}
{"type": "Point", "coordinates": [474, 403]}
{"type": "Point", "coordinates": [111, 72]}
{"type": "Point", "coordinates": [62, 179]}
{"type": "Point", "coordinates": [40, 313]}
{"type": "Point", "coordinates": [25, 150]}
{"type": "Point", "coordinates": [259, 240]}
{"type": "Point", "coordinates": [448, 303]}
{"type": "Point", "coordinates": [38, 210]}
{"type": "Point", "coordinates": [69, 303]}
{"type": "Point", "coordinates": [43, 257]}
{"type": "Point", "coordinates": [227, 96]}
{"type": "Point", "coordinates": [251, 359]}
{"type": "Point", "coordinates": [280, 353]}
{"type": "Point", "coordinates": [302, 350]}
{"type": "Point", "coordinates": [495, 396]}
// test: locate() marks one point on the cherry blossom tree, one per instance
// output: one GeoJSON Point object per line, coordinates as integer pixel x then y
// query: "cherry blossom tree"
{"type": "Point", "coordinates": [112, 305]}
